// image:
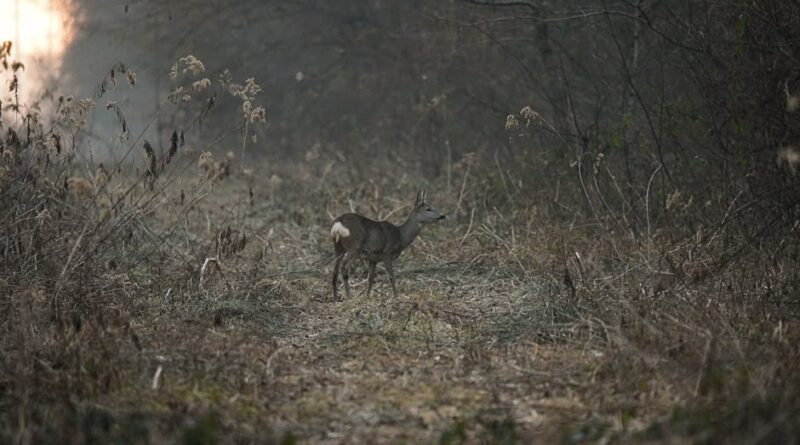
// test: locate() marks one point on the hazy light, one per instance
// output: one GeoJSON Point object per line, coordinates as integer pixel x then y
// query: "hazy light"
{"type": "Point", "coordinates": [40, 31]}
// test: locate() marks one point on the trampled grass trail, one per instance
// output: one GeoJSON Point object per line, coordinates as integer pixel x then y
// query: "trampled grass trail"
{"type": "Point", "coordinates": [475, 349]}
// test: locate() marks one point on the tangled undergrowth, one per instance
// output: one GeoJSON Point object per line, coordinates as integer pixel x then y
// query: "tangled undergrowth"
{"type": "Point", "coordinates": [188, 301]}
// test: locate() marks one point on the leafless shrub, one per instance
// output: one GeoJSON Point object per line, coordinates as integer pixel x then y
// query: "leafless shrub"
{"type": "Point", "coordinates": [230, 242]}
{"type": "Point", "coordinates": [73, 251]}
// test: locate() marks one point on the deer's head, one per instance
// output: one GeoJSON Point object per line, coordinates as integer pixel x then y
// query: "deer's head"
{"type": "Point", "coordinates": [423, 212]}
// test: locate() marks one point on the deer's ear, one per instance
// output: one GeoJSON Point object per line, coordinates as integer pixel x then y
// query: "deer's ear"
{"type": "Point", "coordinates": [420, 198]}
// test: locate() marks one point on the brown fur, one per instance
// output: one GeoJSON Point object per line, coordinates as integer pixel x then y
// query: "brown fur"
{"type": "Point", "coordinates": [377, 241]}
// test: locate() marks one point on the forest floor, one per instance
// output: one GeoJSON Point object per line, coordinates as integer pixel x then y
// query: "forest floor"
{"type": "Point", "coordinates": [485, 344]}
{"type": "Point", "coordinates": [196, 308]}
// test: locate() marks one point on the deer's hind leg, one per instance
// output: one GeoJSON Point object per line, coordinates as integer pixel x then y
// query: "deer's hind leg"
{"type": "Point", "coordinates": [349, 260]}
{"type": "Point", "coordinates": [339, 256]}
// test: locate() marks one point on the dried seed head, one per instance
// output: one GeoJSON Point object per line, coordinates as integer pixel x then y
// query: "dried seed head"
{"type": "Point", "coordinates": [206, 161]}
{"type": "Point", "coordinates": [512, 122]}
{"type": "Point", "coordinates": [792, 99]}
{"type": "Point", "coordinates": [151, 157]}
{"type": "Point", "coordinates": [258, 115]}
{"type": "Point", "coordinates": [201, 84]}
{"type": "Point", "coordinates": [792, 103]}
{"type": "Point", "coordinates": [100, 175]}
{"type": "Point", "coordinates": [530, 116]}
{"type": "Point", "coordinates": [78, 187]}
{"type": "Point", "coordinates": [275, 181]}
{"type": "Point", "coordinates": [791, 156]}
{"type": "Point", "coordinates": [173, 72]}
{"type": "Point", "coordinates": [173, 146]}
{"type": "Point", "coordinates": [5, 49]}
{"type": "Point", "coordinates": [192, 65]}
{"type": "Point", "coordinates": [673, 199]}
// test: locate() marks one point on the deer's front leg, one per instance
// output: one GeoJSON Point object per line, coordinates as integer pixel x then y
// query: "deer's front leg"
{"type": "Point", "coordinates": [389, 265]}
{"type": "Point", "coordinates": [371, 277]}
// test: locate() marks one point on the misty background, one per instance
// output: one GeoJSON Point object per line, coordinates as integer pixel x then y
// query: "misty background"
{"type": "Point", "coordinates": [600, 107]}
{"type": "Point", "coordinates": [697, 89]}
{"type": "Point", "coordinates": [619, 261]}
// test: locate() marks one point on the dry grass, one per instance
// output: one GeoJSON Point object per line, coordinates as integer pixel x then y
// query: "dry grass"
{"type": "Point", "coordinates": [191, 303]}
{"type": "Point", "coordinates": [486, 344]}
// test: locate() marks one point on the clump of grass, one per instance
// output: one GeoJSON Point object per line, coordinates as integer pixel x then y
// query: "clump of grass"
{"type": "Point", "coordinates": [75, 253]}
{"type": "Point", "coordinates": [531, 313]}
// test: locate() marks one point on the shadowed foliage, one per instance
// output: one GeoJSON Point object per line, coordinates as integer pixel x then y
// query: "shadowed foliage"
{"type": "Point", "coordinates": [619, 262]}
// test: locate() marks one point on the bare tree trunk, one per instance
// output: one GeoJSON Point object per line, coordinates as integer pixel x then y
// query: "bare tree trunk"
{"type": "Point", "coordinates": [627, 92]}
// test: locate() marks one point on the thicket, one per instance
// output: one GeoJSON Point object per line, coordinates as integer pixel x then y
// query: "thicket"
{"type": "Point", "coordinates": [81, 246]}
{"type": "Point", "coordinates": [656, 142]}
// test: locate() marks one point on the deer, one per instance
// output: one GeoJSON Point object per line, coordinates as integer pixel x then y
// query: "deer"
{"type": "Point", "coordinates": [355, 236]}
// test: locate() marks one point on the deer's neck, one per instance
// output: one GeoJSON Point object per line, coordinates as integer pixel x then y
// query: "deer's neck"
{"type": "Point", "coordinates": [409, 230]}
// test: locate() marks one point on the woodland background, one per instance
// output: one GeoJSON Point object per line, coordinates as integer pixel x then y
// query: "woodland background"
{"type": "Point", "coordinates": [620, 261]}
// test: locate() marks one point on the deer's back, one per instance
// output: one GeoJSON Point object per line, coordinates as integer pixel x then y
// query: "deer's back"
{"type": "Point", "coordinates": [376, 240]}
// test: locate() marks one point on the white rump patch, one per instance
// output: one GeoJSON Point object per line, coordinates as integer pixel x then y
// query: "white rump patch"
{"type": "Point", "coordinates": [339, 231]}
